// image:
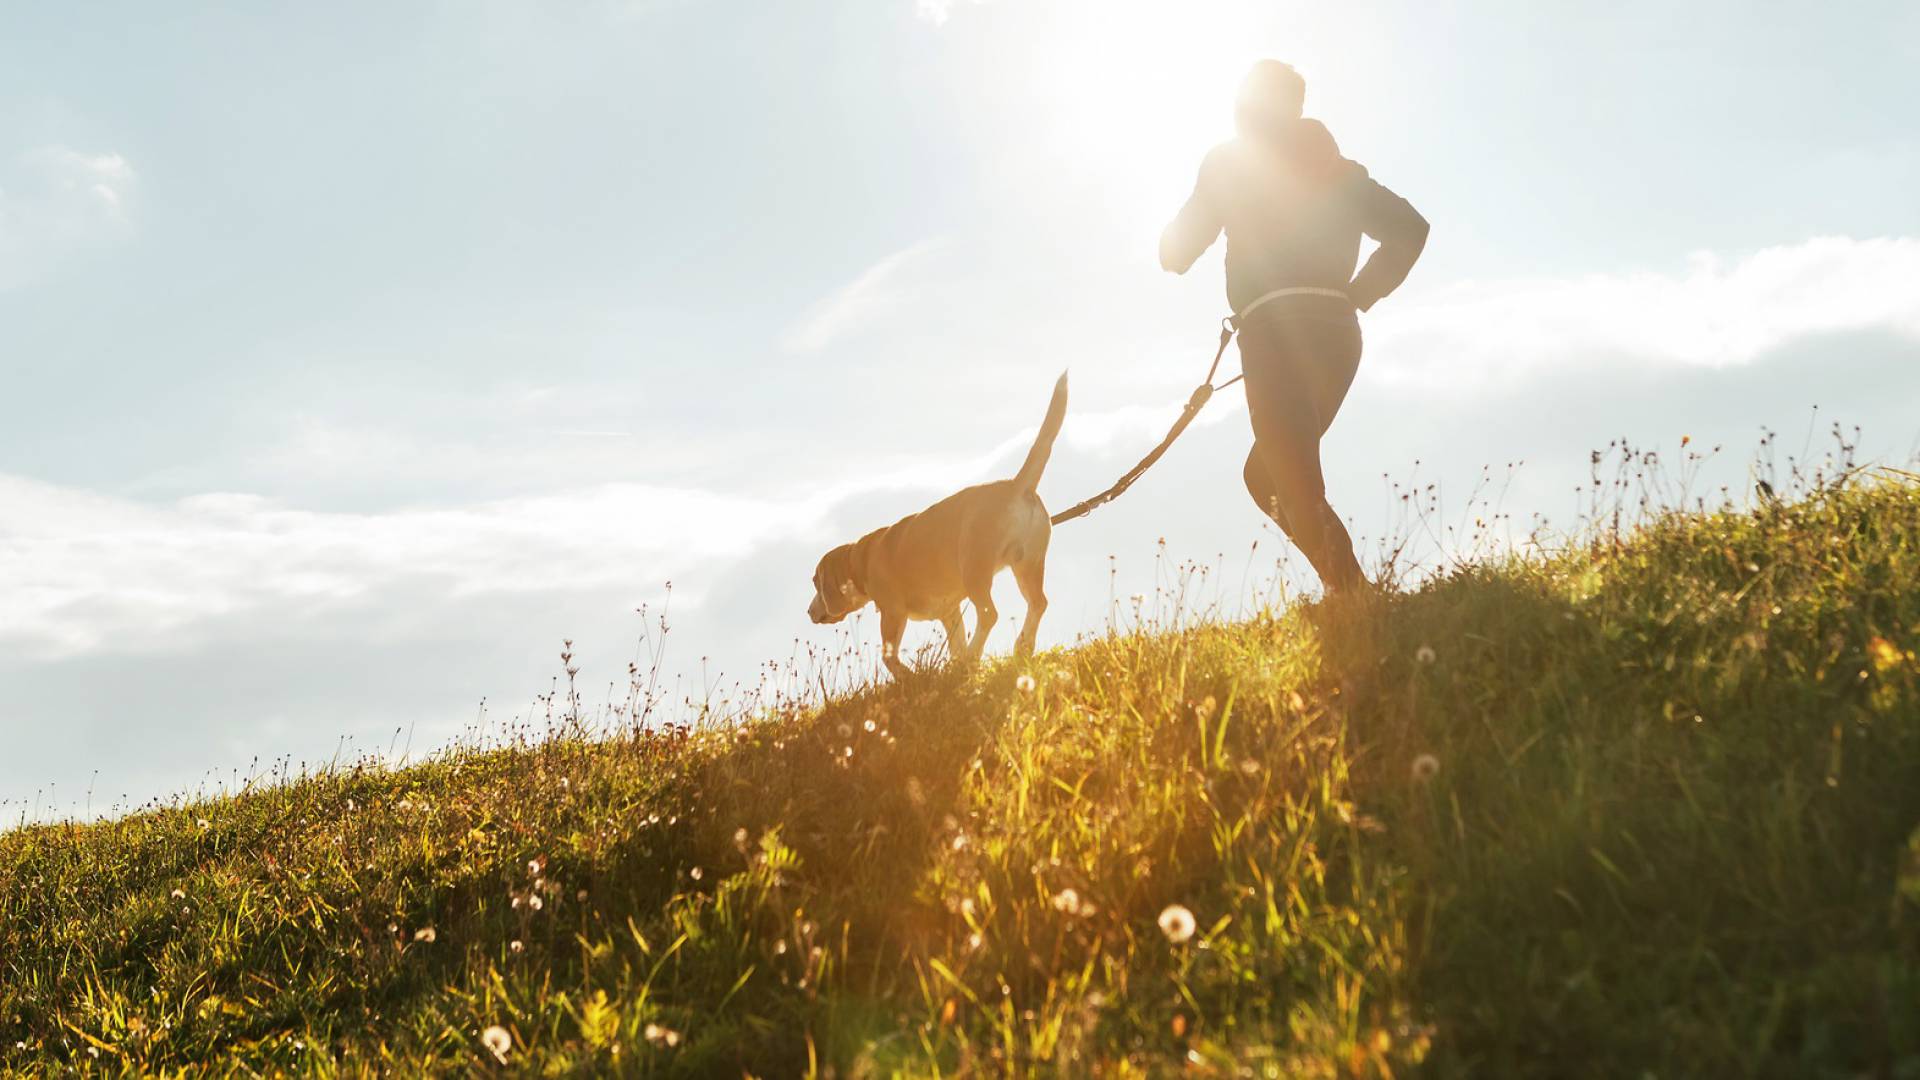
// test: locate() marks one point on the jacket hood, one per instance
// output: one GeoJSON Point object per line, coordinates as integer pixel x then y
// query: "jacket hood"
{"type": "Point", "coordinates": [1305, 144]}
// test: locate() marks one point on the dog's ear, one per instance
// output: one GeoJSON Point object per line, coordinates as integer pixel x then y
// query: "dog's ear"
{"type": "Point", "coordinates": [856, 561]}
{"type": "Point", "coordinates": [834, 573]}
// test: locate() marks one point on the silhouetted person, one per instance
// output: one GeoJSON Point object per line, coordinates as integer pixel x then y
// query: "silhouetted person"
{"type": "Point", "coordinates": [1293, 210]}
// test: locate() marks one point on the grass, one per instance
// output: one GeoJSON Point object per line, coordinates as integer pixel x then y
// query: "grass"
{"type": "Point", "coordinates": [1645, 805]}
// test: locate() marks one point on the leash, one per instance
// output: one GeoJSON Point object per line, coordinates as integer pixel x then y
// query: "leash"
{"type": "Point", "coordinates": [1201, 395]}
{"type": "Point", "coordinates": [1197, 401]}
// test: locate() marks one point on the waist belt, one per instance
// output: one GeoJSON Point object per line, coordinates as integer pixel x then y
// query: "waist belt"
{"type": "Point", "coordinates": [1296, 290]}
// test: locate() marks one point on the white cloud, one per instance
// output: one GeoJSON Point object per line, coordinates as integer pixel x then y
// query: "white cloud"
{"type": "Point", "coordinates": [83, 571]}
{"type": "Point", "coordinates": [1715, 313]}
{"type": "Point", "coordinates": [877, 290]}
{"type": "Point", "coordinates": [57, 202]}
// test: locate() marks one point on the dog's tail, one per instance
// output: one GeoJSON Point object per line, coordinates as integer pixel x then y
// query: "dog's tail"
{"type": "Point", "coordinates": [1028, 478]}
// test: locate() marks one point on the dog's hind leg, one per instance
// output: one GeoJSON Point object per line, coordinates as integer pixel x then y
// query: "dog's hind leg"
{"type": "Point", "coordinates": [1031, 575]}
{"type": "Point", "coordinates": [956, 636]}
{"type": "Point", "coordinates": [980, 591]}
{"type": "Point", "coordinates": [893, 627]}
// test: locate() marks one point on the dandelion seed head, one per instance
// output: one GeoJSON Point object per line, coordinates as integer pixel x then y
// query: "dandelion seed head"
{"type": "Point", "coordinates": [1177, 923]}
{"type": "Point", "coordinates": [426, 934]}
{"type": "Point", "coordinates": [1425, 767]}
{"type": "Point", "coordinates": [661, 1035]}
{"type": "Point", "coordinates": [498, 1042]}
{"type": "Point", "coordinates": [1424, 654]}
{"type": "Point", "coordinates": [1024, 684]}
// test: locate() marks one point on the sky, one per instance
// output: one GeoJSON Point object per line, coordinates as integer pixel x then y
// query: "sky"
{"type": "Point", "coordinates": [357, 355]}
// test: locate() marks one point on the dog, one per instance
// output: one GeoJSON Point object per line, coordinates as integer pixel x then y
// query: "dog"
{"type": "Point", "coordinates": [923, 565]}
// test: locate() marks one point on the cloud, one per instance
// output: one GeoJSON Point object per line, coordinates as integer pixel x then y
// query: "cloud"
{"type": "Point", "coordinates": [84, 571]}
{"type": "Point", "coordinates": [1715, 313]}
{"type": "Point", "coordinates": [57, 202]}
{"type": "Point", "coordinates": [874, 292]}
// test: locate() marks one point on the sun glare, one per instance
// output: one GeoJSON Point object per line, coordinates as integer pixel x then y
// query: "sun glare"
{"type": "Point", "coordinates": [1139, 92]}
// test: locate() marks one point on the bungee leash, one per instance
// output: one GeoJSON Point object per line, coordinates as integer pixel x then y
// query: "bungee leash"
{"type": "Point", "coordinates": [1195, 402]}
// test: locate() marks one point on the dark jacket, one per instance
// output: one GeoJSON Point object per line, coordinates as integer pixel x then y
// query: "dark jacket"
{"type": "Point", "coordinates": [1293, 210]}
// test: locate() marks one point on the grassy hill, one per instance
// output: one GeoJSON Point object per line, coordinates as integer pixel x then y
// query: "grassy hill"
{"type": "Point", "coordinates": [1646, 805]}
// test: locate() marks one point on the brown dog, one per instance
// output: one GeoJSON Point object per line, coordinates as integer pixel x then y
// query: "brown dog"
{"type": "Point", "coordinates": [923, 565]}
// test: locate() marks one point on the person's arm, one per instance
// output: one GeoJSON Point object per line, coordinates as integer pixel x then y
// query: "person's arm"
{"type": "Point", "coordinates": [1402, 234]}
{"type": "Point", "coordinates": [1192, 230]}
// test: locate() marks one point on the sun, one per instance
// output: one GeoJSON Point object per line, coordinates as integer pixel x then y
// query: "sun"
{"type": "Point", "coordinates": [1141, 91]}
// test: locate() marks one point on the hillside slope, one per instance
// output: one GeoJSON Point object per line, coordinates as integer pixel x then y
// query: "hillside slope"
{"type": "Point", "coordinates": [1646, 805]}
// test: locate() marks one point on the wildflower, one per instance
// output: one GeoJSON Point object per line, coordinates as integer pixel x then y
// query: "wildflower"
{"type": "Point", "coordinates": [1885, 655]}
{"type": "Point", "coordinates": [581, 896]}
{"type": "Point", "coordinates": [740, 836]}
{"type": "Point", "coordinates": [204, 824]}
{"type": "Point", "coordinates": [426, 934]}
{"type": "Point", "coordinates": [1067, 900]}
{"type": "Point", "coordinates": [871, 726]}
{"type": "Point", "coordinates": [535, 902]}
{"type": "Point", "coordinates": [535, 865]}
{"type": "Point", "coordinates": [516, 946]}
{"type": "Point", "coordinates": [974, 941]}
{"type": "Point", "coordinates": [1177, 923]}
{"type": "Point", "coordinates": [1424, 654]}
{"type": "Point", "coordinates": [1024, 684]}
{"type": "Point", "coordinates": [1425, 768]}
{"type": "Point", "coordinates": [498, 1042]}
{"type": "Point", "coordinates": [696, 873]}
{"type": "Point", "coordinates": [661, 1035]}
{"type": "Point", "coordinates": [178, 894]}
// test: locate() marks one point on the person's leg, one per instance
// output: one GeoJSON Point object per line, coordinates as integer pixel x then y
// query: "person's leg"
{"type": "Point", "coordinates": [1260, 485]}
{"type": "Point", "coordinates": [1297, 375]}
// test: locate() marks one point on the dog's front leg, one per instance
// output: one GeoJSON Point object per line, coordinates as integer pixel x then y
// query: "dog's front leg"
{"type": "Point", "coordinates": [893, 627]}
{"type": "Point", "coordinates": [956, 636]}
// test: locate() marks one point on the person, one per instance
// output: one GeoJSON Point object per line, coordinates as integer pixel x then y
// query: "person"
{"type": "Point", "coordinates": [1293, 210]}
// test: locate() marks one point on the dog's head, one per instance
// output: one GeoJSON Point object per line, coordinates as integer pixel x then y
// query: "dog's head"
{"type": "Point", "coordinates": [836, 593]}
